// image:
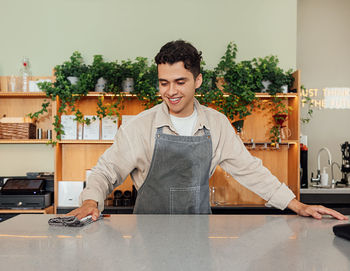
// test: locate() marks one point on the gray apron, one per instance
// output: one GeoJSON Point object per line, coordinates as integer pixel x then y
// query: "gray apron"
{"type": "Point", "coordinates": [178, 178]}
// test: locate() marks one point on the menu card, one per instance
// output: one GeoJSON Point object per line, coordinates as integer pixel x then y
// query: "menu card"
{"type": "Point", "coordinates": [109, 127]}
{"type": "Point", "coordinates": [69, 127]}
{"type": "Point", "coordinates": [92, 131]}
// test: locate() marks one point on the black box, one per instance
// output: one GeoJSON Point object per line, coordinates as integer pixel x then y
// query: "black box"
{"type": "Point", "coordinates": [39, 201]}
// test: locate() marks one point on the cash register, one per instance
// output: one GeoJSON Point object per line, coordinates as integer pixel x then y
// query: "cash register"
{"type": "Point", "coordinates": [29, 192]}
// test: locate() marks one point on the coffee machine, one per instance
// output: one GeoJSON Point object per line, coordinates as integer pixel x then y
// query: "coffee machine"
{"type": "Point", "coordinates": [345, 168]}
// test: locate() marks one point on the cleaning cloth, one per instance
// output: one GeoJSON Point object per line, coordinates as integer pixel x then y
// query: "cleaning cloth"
{"type": "Point", "coordinates": [71, 221]}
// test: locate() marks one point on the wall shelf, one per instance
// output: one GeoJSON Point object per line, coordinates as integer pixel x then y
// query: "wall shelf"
{"type": "Point", "coordinates": [86, 142]}
{"type": "Point", "coordinates": [23, 94]}
{"type": "Point", "coordinates": [47, 210]}
{"type": "Point", "coordinates": [24, 141]}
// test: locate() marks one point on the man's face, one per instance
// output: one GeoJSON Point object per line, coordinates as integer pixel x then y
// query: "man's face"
{"type": "Point", "coordinates": [177, 87]}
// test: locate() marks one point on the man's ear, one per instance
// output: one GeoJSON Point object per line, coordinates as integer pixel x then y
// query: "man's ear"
{"type": "Point", "coordinates": [198, 81]}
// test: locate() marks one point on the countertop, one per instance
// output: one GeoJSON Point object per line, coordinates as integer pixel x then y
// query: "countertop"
{"type": "Point", "coordinates": [178, 242]}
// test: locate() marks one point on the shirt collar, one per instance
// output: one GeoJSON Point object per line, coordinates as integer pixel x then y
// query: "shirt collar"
{"type": "Point", "coordinates": [163, 117]}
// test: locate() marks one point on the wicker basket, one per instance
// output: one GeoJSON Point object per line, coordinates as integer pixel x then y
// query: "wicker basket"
{"type": "Point", "coordinates": [17, 131]}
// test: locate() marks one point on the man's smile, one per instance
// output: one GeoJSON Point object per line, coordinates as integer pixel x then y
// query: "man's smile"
{"type": "Point", "coordinates": [174, 100]}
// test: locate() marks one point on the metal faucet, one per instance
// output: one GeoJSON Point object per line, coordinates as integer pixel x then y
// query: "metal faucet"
{"type": "Point", "coordinates": [334, 183]}
{"type": "Point", "coordinates": [318, 177]}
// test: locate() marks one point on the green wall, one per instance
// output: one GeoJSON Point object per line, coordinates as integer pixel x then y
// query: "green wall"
{"type": "Point", "coordinates": [49, 31]}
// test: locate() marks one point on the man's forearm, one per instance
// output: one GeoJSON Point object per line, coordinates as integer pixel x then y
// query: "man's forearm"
{"type": "Point", "coordinates": [295, 205]}
{"type": "Point", "coordinates": [90, 202]}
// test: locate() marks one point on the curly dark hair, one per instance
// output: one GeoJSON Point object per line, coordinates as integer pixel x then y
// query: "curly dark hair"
{"type": "Point", "coordinates": [179, 50]}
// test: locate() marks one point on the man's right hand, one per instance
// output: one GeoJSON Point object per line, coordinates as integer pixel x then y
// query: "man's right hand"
{"type": "Point", "coordinates": [89, 207]}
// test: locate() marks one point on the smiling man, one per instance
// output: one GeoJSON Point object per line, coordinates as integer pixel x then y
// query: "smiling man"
{"type": "Point", "coordinates": [172, 149]}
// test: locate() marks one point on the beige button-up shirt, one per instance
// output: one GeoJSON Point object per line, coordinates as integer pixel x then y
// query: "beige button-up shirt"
{"type": "Point", "coordinates": [132, 150]}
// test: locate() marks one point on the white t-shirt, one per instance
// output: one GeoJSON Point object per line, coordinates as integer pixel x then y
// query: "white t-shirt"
{"type": "Point", "coordinates": [184, 126]}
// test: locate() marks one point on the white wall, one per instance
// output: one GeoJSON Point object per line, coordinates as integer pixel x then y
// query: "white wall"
{"type": "Point", "coordinates": [323, 58]}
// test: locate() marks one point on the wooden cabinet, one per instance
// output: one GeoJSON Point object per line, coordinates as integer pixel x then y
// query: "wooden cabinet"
{"type": "Point", "coordinates": [283, 162]}
{"type": "Point", "coordinates": [19, 104]}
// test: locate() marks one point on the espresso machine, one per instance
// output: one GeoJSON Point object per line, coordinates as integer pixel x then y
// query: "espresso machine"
{"type": "Point", "coordinates": [345, 168]}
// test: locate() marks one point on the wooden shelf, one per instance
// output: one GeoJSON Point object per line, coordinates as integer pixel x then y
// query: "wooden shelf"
{"type": "Point", "coordinates": [284, 142]}
{"type": "Point", "coordinates": [280, 95]}
{"type": "Point", "coordinates": [48, 210]}
{"type": "Point", "coordinates": [85, 142]}
{"type": "Point", "coordinates": [23, 141]}
{"type": "Point", "coordinates": [99, 94]}
{"type": "Point", "coordinates": [23, 94]}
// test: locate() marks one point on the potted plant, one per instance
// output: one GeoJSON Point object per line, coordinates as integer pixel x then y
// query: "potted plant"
{"type": "Point", "coordinates": [239, 82]}
{"type": "Point", "coordinates": [73, 68]}
{"type": "Point", "coordinates": [99, 71]}
{"type": "Point", "coordinates": [273, 78]}
{"type": "Point", "coordinates": [131, 71]}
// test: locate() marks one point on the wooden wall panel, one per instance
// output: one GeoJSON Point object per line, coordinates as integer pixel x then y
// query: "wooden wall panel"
{"type": "Point", "coordinates": [76, 158]}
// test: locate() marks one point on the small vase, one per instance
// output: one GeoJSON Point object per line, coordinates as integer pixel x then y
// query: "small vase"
{"type": "Point", "coordinates": [128, 85]}
{"type": "Point", "coordinates": [284, 89]}
{"type": "Point", "coordinates": [266, 84]}
{"type": "Point", "coordinates": [73, 79]}
{"type": "Point", "coordinates": [100, 85]}
{"type": "Point", "coordinates": [280, 119]}
{"type": "Point", "coordinates": [285, 133]}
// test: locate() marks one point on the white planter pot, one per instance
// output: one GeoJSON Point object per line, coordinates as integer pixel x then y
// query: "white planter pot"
{"type": "Point", "coordinates": [73, 79]}
{"type": "Point", "coordinates": [100, 85]}
{"type": "Point", "coordinates": [266, 84]}
{"type": "Point", "coordinates": [284, 89]}
{"type": "Point", "coordinates": [128, 85]}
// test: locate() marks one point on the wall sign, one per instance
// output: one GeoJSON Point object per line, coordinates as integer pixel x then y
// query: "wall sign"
{"type": "Point", "coordinates": [327, 98]}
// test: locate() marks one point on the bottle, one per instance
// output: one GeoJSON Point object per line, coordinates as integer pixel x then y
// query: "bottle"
{"type": "Point", "coordinates": [25, 73]}
{"type": "Point", "coordinates": [324, 177]}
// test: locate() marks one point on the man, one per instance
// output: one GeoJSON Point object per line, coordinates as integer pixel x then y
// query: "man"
{"type": "Point", "coordinates": [172, 149]}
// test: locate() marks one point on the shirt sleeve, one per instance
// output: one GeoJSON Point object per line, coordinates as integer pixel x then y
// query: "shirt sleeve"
{"type": "Point", "coordinates": [111, 170]}
{"type": "Point", "coordinates": [249, 171]}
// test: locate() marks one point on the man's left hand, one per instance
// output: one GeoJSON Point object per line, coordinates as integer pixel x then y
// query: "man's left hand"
{"type": "Point", "coordinates": [316, 211]}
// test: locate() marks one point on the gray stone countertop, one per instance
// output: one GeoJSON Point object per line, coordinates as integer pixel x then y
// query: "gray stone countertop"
{"type": "Point", "coordinates": [179, 242]}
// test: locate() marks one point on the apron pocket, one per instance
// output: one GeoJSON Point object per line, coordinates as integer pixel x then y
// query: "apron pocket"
{"type": "Point", "coordinates": [184, 200]}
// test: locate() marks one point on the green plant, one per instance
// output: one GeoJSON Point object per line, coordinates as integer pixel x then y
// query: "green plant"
{"type": "Point", "coordinates": [268, 70]}
{"type": "Point", "coordinates": [227, 60]}
{"type": "Point", "coordinates": [133, 69]}
{"type": "Point", "coordinates": [110, 71]}
{"type": "Point", "coordinates": [146, 84]}
{"type": "Point", "coordinates": [240, 83]}
{"type": "Point", "coordinates": [306, 100]}
{"type": "Point", "coordinates": [74, 67]}
{"type": "Point", "coordinates": [235, 98]}
{"type": "Point", "coordinates": [208, 93]}
{"type": "Point", "coordinates": [69, 94]}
